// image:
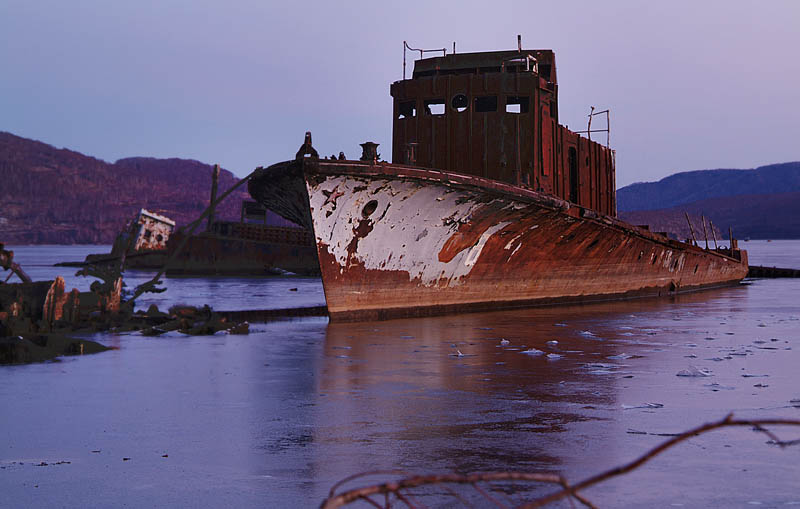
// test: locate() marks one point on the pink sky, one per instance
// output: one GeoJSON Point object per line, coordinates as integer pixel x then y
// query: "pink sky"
{"type": "Point", "coordinates": [691, 85]}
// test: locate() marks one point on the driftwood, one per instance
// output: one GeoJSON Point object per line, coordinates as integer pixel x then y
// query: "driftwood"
{"type": "Point", "coordinates": [399, 488]}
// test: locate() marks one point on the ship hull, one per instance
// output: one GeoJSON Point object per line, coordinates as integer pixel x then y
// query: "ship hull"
{"type": "Point", "coordinates": [397, 241]}
{"type": "Point", "coordinates": [268, 250]}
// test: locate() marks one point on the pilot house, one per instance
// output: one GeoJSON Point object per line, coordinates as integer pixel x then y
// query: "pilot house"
{"type": "Point", "coordinates": [495, 115]}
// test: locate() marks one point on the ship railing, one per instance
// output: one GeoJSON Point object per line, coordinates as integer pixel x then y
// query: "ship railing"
{"type": "Point", "coordinates": [421, 53]}
{"type": "Point", "coordinates": [588, 132]}
{"type": "Point", "coordinates": [263, 233]}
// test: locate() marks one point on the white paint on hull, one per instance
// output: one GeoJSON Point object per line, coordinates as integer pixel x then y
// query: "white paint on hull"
{"type": "Point", "coordinates": [410, 225]}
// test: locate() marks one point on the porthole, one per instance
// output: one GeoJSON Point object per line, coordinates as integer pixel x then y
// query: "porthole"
{"type": "Point", "coordinates": [459, 102]}
{"type": "Point", "coordinates": [369, 208]}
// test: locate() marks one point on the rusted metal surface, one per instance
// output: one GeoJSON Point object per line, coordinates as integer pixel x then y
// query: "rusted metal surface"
{"type": "Point", "coordinates": [242, 248]}
{"type": "Point", "coordinates": [7, 263]}
{"type": "Point", "coordinates": [214, 185]}
{"type": "Point", "coordinates": [151, 231]}
{"type": "Point", "coordinates": [771, 272]}
{"type": "Point", "coordinates": [497, 117]}
{"type": "Point", "coordinates": [141, 245]}
{"type": "Point", "coordinates": [396, 241]}
{"type": "Point", "coordinates": [509, 208]}
{"type": "Point", "coordinates": [44, 306]}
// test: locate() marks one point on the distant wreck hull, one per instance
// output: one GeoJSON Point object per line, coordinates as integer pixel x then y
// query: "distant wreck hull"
{"type": "Point", "coordinates": [269, 250]}
{"type": "Point", "coordinates": [400, 241]}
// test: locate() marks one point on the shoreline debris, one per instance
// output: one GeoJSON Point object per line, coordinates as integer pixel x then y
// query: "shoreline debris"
{"type": "Point", "coordinates": [36, 315]}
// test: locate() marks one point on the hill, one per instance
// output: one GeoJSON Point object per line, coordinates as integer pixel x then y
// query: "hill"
{"type": "Point", "coordinates": [58, 196]}
{"type": "Point", "coordinates": [758, 203]}
{"type": "Point", "coordinates": [693, 186]}
{"type": "Point", "coordinates": [761, 216]}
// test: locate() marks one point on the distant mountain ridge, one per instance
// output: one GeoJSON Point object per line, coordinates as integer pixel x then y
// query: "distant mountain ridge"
{"type": "Point", "coordinates": [759, 203]}
{"type": "Point", "coordinates": [693, 186]}
{"type": "Point", "coordinates": [59, 196]}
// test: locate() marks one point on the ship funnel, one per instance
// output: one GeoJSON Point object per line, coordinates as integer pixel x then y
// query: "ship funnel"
{"type": "Point", "coordinates": [369, 151]}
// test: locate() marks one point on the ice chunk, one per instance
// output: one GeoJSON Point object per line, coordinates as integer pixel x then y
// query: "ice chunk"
{"type": "Point", "coordinates": [645, 405]}
{"type": "Point", "coordinates": [693, 372]}
{"type": "Point", "coordinates": [533, 351]}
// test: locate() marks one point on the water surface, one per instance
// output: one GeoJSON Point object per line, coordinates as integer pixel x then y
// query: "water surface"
{"type": "Point", "coordinates": [275, 418]}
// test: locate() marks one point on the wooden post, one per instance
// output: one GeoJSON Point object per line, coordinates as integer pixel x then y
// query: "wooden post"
{"type": "Point", "coordinates": [713, 235]}
{"type": "Point", "coordinates": [214, 181]}
{"type": "Point", "coordinates": [691, 230]}
{"type": "Point", "coordinates": [705, 233]}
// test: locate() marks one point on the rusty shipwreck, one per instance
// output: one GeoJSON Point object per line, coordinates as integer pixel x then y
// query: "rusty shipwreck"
{"type": "Point", "coordinates": [489, 203]}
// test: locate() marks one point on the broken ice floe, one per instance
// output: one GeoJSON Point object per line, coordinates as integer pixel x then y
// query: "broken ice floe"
{"type": "Point", "coordinates": [533, 351]}
{"type": "Point", "coordinates": [694, 372]}
{"type": "Point", "coordinates": [717, 387]}
{"type": "Point", "coordinates": [645, 405]}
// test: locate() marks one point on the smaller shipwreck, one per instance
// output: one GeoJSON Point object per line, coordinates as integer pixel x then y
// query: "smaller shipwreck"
{"type": "Point", "coordinates": [260, 243]}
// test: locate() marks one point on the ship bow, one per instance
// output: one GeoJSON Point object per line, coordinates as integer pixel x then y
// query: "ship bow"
{"type": "Point", "coordinates": [282, 189]}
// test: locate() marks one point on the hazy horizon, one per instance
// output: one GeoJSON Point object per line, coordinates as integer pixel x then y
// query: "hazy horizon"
{"type": "Point", "coordinates": [689, 86]}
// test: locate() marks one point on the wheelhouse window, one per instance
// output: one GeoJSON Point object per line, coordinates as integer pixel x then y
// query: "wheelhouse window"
{"type": "Point", "coordinates": [434, 107]}
{"type": "Point", "coordinates": [517, 104]}
{"type": "Point", "coordinates": [486, 104]}
{"type": "Point", "coordinates": [407, 110]}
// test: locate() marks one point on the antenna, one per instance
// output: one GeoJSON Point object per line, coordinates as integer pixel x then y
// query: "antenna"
{"type": "Point", "coordinates": [519, 43]}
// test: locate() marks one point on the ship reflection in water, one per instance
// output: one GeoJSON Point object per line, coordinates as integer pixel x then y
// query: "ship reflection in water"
{"type": "Point", "coordinates": [449, 394]}
{"type": "Point", "coordinates": [277, 417]}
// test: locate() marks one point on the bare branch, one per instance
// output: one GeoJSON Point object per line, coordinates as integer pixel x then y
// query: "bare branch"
{"type": "Point", "coordinates": [346, 497]}
{"type": "Point", "coordinates": [728, 421]}
{"type": "Point", "coordinates": [568, 491]}
{"type": "Point", "coordinates": [487, 496]}
{"type": "Point", "coordinates": [404, 499]}
{"type": "Point", "coordinates": [364, 474]}
{"type": "Point", "coordinates": [375, 503]}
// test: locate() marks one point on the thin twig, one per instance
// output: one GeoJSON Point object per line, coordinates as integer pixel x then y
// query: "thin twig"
{"type": "Point", "coordinates": [455, 494]}
{"type": "Point", "coordinates": [770, 434]}
{"type": "Point", "coordinates": [374, 503]}
{"type": "Point", "coordinates": [583, 501]}
{"type": "Point", "coordinates": [576, 496]}
{"type": "Point", "coordinates": [353, 477]}
{"type": "Point", "coordinates": [487, 496]}
{"type": "Point", "coordinates": [346, 497]}
{"type": "Point", "coordinates": [568, 491]}
{"type": "Point", "coordinates": [405, 500]}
